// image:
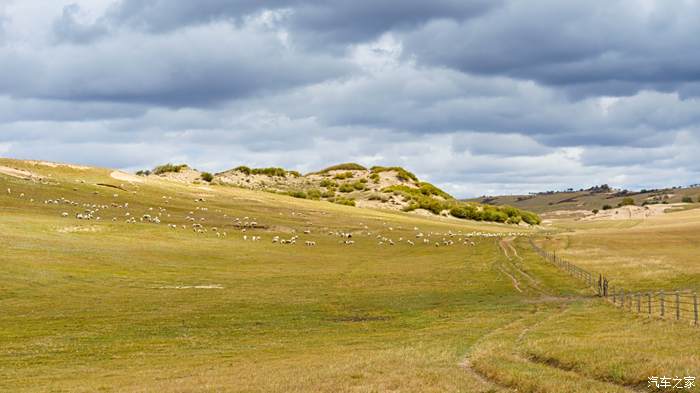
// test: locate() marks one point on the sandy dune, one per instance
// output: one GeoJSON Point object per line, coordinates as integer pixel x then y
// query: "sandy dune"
{"type": "Point", "coordinates": [123, 176]}
{"type": "Point", "coordinates": [18, 173]}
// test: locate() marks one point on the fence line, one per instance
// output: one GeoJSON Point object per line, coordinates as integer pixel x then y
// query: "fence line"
{"type": "Point", "coordinates": [676, 304]}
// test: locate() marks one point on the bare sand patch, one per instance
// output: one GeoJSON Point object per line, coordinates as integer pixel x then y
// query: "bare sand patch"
{"type": "Point", "coordinates": [56, 165]}
{"type": "Point", "coordinates": [212, 286]}
{"type": "Point", "coordinates": [78, 229]}
{"type": "Point", "coordinates": [632, 212]}
{"type": "Point", "coordinates": [18, 173]}
{"type": "Point", "coordinates": [123, 176]}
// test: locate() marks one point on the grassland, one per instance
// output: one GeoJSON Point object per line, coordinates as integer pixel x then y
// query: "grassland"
{"type": "Point", "coordinates": [660, 252]}
{"type": "Point", "coordinates": [587, 200]}
{"type": "Point", "coordinates": [108, 306]}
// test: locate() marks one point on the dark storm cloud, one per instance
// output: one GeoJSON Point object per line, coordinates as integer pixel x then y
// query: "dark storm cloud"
{"type": "Point", "coordinates": [194, 67]}
{"type": "Point", "coordinates": [480, 97]}
{"type": "Point", "coordinates": [614, 48]}
{"type": "Point", "coordinates": [334, 21]}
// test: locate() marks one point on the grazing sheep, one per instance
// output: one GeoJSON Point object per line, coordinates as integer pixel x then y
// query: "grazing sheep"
{"type": "Point", "coordinates": [64, 214]}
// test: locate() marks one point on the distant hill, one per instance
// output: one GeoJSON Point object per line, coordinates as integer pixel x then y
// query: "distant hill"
{"type": "Point", "coordinates": [594, 198]}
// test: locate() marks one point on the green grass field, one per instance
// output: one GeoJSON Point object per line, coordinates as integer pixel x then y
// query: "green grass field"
{"type": "Point", "coordinates": [91, 306]}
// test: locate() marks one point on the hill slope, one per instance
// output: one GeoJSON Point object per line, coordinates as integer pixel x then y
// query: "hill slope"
{"type": "Point", "coordinates": [392, 188]}
{"type": "Point", "coordinates": [595, 198]}
{"type": "Point", "coordinates": [149, 284]}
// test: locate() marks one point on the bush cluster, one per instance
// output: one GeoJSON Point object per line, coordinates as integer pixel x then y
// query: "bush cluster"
{"type": "Point", "coordinates": [344, 201]}
{"type": "Point", "coordinates": [626, 202]}
{"type": "Point", "coordinates": [504, 214]}
{"type": "Point", "coordinates": [348, 166]}
{"type": "Point", "coordinates": [346, 187]}
{"type": "Point", "coordinates": [207, 177]}
{"type": "Point", "coordinates": [328, 183]}
{"type": "Point", "coordinates": [297, 194]}
{"type": "Point", "coordinates": [343, 176]}
{"type": "Point", "coordinates": [314, 194]}
{"type": "Point", "coordinates": [168, 168]}
{"type": "Point", "coordinates": [402, 174]}
{"type": "Point", "coordinates": [271, 171]}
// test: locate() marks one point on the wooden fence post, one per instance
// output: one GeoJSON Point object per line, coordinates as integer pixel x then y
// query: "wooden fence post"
{"type": "Point", "coordinates": [678, 305]}
{"type": "Point", "coordinates": [622, 298]}
{"type": "Point", "coordinates": [661, 300]}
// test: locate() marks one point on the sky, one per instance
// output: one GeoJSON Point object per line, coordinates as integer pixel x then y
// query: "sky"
{"type": "Point", "coordinates": [480, 97]}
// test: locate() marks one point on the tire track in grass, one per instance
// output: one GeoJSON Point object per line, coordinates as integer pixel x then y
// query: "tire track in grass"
{"type": "Point", "coordinates": [498, 359]}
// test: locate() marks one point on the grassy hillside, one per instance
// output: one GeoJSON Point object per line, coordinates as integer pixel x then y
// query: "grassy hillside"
{"type": "Point", "coordinates": [350, 184]}
{"type": "Point", "coordinates": [590, 200]}
{"type": "Point", "coordinates": [110, 305]}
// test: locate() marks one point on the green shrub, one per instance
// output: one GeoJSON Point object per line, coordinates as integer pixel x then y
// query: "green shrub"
{"type": "Point", "coordinates": [345, 201]}
{"type": "Point", "coordinates": [272, 171]}
{"type": "Point", "coordinates": [144, 172]}
{"type": "Point", "coordinates": [468, 212]}
{"type": "Point", "coordinates": [378, 197]}
{"type": "Point", "coordinates": [358, 185]}
{"type": "Point", "coordinates": [374, 177]}
{"type": "Point", "coordinates": [328, 183]}
{"type": "Point", "coordinates": [207, 177]}
{"type": "Point", "coordinates": [429, 189]}
{"type": "Point", "coordinates": [343, 176]}
{"type": "Point", "coordinates": [313, 194]}
{"type": "Point", "coordinates": [607, 207]}
{"type": "Point", "coordinates": [297, 194]}
{"type": "Point", "coordinates": [687, 199]}
{"type": "Point", "coordinates": [401, 173]}
{"type": "Point", "coordinates": [595, 211]}
{"type": "Point", "coordinates": [346, 187]}
{"type": "Point", "coordinates": [626, 202]}
{"type": "Point", "coordinates": [243, 169]}
{"type": "Point", "coordinates": [167, 168]}
{"type": "Point", "coordinates": [328, 194]}
{"type": "Point", "coordinates": [348, 166]}
{"type": "Point", "coordinates": [530, 217]}
{"type": "Point", "coordinates": [363, 180]}
{"type": "Point", "coordinates": [504, 214]}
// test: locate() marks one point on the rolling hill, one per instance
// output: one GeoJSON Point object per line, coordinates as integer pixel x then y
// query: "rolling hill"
{"type": "Point", "coordinates": [116, 282]}
{"type": "Point", "coordinates": [351, 184]}
{"type": "Point", "coordinates": [595, 198]}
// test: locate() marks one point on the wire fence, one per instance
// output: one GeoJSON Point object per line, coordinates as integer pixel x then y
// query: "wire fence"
{"type": "Point", "coordinates": [675, 304]}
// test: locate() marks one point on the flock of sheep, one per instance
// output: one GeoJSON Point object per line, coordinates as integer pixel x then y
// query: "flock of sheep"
{"type": "Point", "coordinates": [155, 215]}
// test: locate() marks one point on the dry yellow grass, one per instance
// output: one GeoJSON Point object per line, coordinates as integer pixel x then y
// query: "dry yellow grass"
{"type": "Point", "coordinates": [108, 306]}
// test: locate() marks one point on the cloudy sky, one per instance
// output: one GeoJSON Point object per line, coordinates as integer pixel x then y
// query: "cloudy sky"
{"type": "Point", "coordinates": [480, 97]}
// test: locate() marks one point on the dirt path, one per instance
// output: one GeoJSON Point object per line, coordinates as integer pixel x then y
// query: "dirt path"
{"type": "Point", "coordinates": [505, 246]}
{"type": "Point", "coordinates": [499, 358]}
{"type": "Point", "coordinates": [516, 283]}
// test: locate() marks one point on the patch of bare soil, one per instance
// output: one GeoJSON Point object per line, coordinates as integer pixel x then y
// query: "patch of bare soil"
{"type": "Point", "coordinates": [78, 229]}
{"type": "Point", "coordinates": [123, 176]}
{"type": "Point", "coordinates": [56, 165]}
{"type": "Point", "coordinates": [632, 212]}
{"type": "Point", "coordinates": [18, 173]}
